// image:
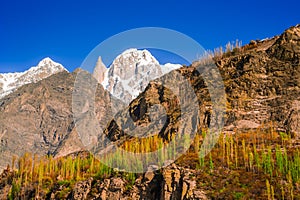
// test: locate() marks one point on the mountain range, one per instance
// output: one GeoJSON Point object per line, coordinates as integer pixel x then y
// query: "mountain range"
{"type": "Point", "coordinates": [126, 77]}
{"type": "Point", "coordinates": [39, 101]}
{"type": "Point", "coordinates": [261, 82]}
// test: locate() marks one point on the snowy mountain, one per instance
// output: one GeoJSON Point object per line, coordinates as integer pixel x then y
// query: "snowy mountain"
{"type": "Point", "coordinates": [130, 73]}
{"type": "Point", "coordinates": [9, 82]}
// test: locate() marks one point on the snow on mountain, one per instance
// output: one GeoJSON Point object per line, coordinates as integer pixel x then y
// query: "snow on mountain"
{"type": "Point", "coordinates": [130, 73]}
{"type": "Point", "coordinates": [9, 82]}
{"type": "Point", "coordinates": [166, 68]}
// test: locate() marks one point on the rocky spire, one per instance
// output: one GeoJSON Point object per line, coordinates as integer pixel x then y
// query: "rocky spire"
{"type": "Point", "coordinates": [99, 71]}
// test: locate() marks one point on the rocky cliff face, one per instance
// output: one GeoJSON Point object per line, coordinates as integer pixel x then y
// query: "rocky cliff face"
{"type": "Point", "coordinates": [262, 84]}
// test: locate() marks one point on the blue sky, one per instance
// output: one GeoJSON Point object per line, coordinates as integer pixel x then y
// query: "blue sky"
{"type": "Point", "coordinates": [67, 30]}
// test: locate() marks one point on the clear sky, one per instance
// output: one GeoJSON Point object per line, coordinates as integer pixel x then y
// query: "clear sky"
{"type": "Point", "coordinates": [67, 30]}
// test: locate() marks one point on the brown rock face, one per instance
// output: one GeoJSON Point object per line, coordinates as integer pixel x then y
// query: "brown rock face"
{"type": "Point", "coordinates": [262, 86]}
{"type": "Point", "coordinates": [287, 47]}
{"type": "Point", "coordinates": [178, 184]}
{"type": "Point", "coordinates": [38, 118]}
{"type": "Point", "coordinates": [35, 118]}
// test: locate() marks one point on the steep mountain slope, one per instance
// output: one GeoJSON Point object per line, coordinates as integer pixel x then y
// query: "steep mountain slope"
{"type": "Point", "coordinates": [9, 82]}
{"type": "Point", "coordinates": [262, 85]}
{"type": "Point", "coordinates": [38, 118]}
{"type": "Point", "coordinates": [262, 88]}
{"type": "Point", "coordinates": [130, 73]}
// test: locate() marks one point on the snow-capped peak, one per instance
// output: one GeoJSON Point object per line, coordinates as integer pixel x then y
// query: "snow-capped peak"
{"type": "Point", "coordinates": [130, 56]}
{"type": "Point", "coordinates": [9, 82]}
{"type": "Point", "coordinates": [49, 65]}
{"type": "Point", "coordinates": [130, 73]}
{"type": "Point", "coordinates": [47, 61]}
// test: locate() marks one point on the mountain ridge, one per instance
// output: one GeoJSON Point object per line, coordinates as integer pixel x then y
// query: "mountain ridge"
{"type": "Point", "coordinates": [9, 82]}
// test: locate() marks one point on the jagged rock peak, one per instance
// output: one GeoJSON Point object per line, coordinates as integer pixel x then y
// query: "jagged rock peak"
{"type": "Point", "coordinates": [99, 71]}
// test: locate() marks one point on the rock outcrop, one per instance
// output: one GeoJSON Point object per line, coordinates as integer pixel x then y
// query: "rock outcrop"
{"type": "Point", "coordinates": [170, 183]}
{"type": "Point", "coordinates": [262, 85]}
